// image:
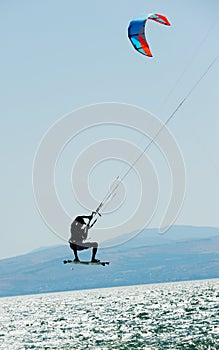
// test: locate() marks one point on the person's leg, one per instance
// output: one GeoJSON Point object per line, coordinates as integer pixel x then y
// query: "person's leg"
{"type": "Point", "coordinates": [94, 252]}
{"type": "Point", "coordinates": [75, 250]}
{"type": "Point", "coordinates": [82, 246]}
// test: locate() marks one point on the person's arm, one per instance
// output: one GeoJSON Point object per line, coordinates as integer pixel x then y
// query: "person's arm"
{"type": "Point", "coordinates": [87, 227]}
{"type": "Point", "coordinates": [89, 217]}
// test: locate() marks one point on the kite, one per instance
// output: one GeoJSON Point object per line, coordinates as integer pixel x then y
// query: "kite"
{"type": "Point", "coordinates": [136, 32]}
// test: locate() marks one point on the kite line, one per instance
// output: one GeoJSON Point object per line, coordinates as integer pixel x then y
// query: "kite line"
{"type": "Point", "coordinates": [112, 192]}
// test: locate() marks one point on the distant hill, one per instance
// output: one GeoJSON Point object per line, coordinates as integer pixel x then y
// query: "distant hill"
{"type": "Point", "coordinates": [183, 253]}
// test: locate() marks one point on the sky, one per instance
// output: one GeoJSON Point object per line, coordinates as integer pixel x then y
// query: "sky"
{"type": "Point", "coordinates": [61, 56]}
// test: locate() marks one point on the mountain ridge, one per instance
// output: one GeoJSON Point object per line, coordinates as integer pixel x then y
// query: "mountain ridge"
{"type": "Point", "coordinates": [139, 261]}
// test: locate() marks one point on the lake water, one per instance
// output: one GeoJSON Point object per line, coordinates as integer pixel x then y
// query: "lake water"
{"type": "Point", "coordinates": [175, 316]}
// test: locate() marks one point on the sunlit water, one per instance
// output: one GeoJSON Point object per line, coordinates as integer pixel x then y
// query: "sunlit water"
{"type": "Point", "coordinates": [160, 316]}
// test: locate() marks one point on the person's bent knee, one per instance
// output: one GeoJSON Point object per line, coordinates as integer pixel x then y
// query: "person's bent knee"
{"type": "Point", "coordinates": [73, 246]}
{"type": "Point", "coordinates": [95, 245]}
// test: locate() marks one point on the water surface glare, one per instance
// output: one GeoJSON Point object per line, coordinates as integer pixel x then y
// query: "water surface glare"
{"type": "Point", "coordinates": [183, 315]}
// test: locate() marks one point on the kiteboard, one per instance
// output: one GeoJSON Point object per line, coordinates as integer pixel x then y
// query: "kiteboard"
{"type": "Point", "coordinates": [103, 263]}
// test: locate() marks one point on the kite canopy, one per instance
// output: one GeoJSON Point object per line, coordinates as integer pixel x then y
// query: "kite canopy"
{"type": "Point", "coordinates": [136, 32]}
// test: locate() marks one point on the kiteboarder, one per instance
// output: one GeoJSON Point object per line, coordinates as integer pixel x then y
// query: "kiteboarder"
{"type": "Point", "coordinates": [79, 232]}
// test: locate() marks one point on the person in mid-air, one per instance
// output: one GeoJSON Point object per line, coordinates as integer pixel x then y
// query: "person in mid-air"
{"type": "Point", "coordinates": [79, 232]}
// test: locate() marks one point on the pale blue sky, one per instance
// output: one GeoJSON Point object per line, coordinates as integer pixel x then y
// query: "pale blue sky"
{"type": "Point", "coordinates": [57, 56]}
